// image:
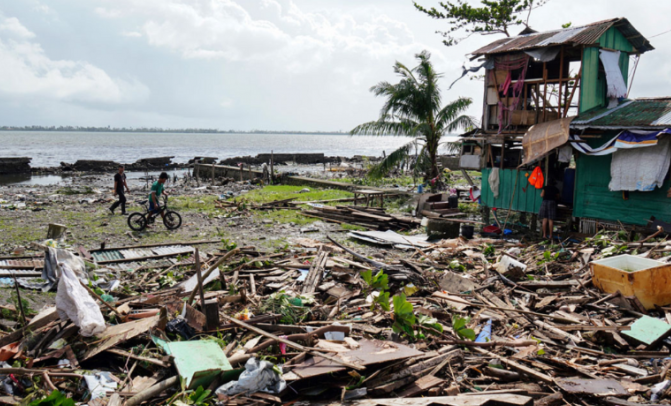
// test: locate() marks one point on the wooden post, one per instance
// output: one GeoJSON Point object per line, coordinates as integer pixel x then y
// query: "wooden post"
{"type": "Point", "coordinates": [211, 310]}
{"type": "Point", "coordinates": [545, 88]}
{"type": "Point", "coordinates": [503, 151]}
{"type": "Point", "coordinates": [212, 174]}
{"type": "Point", "coordinates": [272, 172]}
{"type": "Point", "coordinates": [197, 163]}
{"type": "Point", "coordinates": [242, 168]}
{"type": "Point", "coordinates": [200, 281]}
{"type": "Point", "coordinates": [561, 74]}
{"type": "Point", "coordinates": [18, 299]}
{"type": "Point", "coordinates": [485, 215]}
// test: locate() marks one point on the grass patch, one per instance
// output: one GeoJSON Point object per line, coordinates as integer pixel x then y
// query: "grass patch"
{"type": "Point", "coordinates": [282, 192]}
{"type": "Point", "coordinates": [402, 181]}
{"type": "Point", "coordinates": [286, 216]}
{"type": "Point", "coordinates": [352, 227]}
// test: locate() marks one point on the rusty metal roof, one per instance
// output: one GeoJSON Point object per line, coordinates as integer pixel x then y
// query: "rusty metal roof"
{"type": "Point", "coordinates": [644, 113]}
{"type": "Point", "coordinates": [585, 35]}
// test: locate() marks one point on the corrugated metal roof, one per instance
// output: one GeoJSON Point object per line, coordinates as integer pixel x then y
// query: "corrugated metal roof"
{"type": "Point", "coordinates": [645, 113]}
{"type": "Point", "coordinates": [584, 35]}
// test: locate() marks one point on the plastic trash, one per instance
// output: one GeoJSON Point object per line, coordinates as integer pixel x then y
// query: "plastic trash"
{"type": "Point", "coordinates": [659, 389]}
{"type": "Point", "coordinates": [75, 303]}
{"type": "Point", "coordinates": [258, 376]}
{"type": "Point", "coordinates": [99, 383]}
{"type": "Point", "coordinates": [511, 266]}
{"type": "Point", "coordinates": [485, 334]}
{"type": "Point", "coordinates": [514, 251]}
{"type": "Point", "coordinates": [179, 326]}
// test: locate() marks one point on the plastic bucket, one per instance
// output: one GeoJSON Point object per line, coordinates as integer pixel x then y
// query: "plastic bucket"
{"type": "Point", "coordinates": [453, 202]}
{"type": "Point", "coordinates": [467, 231]}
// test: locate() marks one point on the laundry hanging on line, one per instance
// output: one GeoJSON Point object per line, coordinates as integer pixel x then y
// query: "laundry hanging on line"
{"type": "Point", "coordinates": [624, 140]}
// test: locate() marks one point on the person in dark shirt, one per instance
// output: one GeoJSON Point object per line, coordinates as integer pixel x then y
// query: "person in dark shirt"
{"type": "Point", "coordinates": [119, 186]}
{"type": "Point", "coordinates": [548, 212]}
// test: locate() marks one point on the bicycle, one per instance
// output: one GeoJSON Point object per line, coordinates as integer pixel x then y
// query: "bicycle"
{"type": "Point", "coordinates": [139, 221]}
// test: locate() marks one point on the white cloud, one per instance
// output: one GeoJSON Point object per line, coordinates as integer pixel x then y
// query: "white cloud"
{"type": "Point", "coordinates": [13, 27]}
{"type": "Point", "coordinates": [27, 71]}
{"type": "Point", "coordinates": [132, 34]}
{"type": "Point", "coordinates": [270, 30]}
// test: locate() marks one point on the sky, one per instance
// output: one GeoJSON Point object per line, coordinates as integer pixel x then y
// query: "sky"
{"type": "Point", "coordinates": [302, 65]}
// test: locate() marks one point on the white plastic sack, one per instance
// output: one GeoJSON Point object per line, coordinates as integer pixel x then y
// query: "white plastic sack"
{"type": "Point", "coordinates": [99, 383]}
{"type": "Point", "coordinates": [74, 302]}
{"type": "Point", "coordinates": [258, 376]}
{"type": "Point", "coordinates": [509, 265]}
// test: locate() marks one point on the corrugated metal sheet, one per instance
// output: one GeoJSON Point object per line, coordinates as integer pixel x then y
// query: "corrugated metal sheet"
{"type": "Point", "coordinates": [527, 198]}
{"type": "Point", "coordinates": [106, 255]}
{"type": "Point", "coordinates": [23, 263]}
{"type": "Point", "coordinates": [19, 273]}
{"type": "Point", "coordinates": [173, 249]}
{"type": "Point", "coordinates": [584, 35]}
{"type": "Point", "coordinates": [594, 200]}
{"type": "Point", "coordinates": [649, 113]}
{"type": "Point", "coordinates": [137, 253]}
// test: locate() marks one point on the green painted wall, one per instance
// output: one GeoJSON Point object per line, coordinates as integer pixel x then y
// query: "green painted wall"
{"type": "Point", "coordinates": [593, 82]}
{"type": "Point", "coordinates": [594, 200]}
{"type": "Point", "coordinates": [527, 198]}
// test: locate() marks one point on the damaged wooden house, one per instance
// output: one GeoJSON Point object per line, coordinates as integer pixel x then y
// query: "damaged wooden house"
{"type": "Point", "coordinates": [557, 103]}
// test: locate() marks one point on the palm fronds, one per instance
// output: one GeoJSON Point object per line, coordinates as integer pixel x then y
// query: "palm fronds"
{"type": "Point", "coordinates": [412, 108]}
{"type": "Point", "coordinates": [391, 161]}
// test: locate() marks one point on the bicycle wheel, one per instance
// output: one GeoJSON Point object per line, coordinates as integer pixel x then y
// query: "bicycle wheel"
{"type": "Point", "coordinates": [172, 220]}
{"type": "Point", "coordinates": [137, 221]}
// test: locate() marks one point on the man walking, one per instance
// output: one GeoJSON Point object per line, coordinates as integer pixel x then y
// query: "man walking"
{"type": "Point", "coordinates": [119, 186]}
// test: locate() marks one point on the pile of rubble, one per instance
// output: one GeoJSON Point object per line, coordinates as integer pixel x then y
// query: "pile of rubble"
{"type": "Point", "coordinates": [456, 322]}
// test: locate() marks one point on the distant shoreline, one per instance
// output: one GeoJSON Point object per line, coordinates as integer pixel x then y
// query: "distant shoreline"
{"type": "Point", "coordinates": [160, 130]}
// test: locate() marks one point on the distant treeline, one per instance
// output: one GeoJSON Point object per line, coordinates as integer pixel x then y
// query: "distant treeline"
{"type": "Point", "coordinates": [156, 130]}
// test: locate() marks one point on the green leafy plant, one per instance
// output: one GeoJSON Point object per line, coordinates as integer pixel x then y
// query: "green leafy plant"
{"type": "Point", "coordinates": [459, 327]}
{"type": "Point", "coordinates": [457, 266]}
{"type": "Point", "coordinates": [404, 317]}
{"type": "Point", "coordinates": [435, 328]}
{"type": "Point", "coordinates": [379, 281]}
{"type": "Point", "coordinates": [489, 250]}
{"type": "Point", "coordinates": [492, 17]}
{"type": "Point", "coordinates": [548, 257]}
{"type": "Point", "coordinates": [382, 300]}
{"type": "Point", "coordinates": [56, 398]}
{"type": "Point", "coordinates": [281, 303]}
{"type": "Point", "coordinates": [228, 244]}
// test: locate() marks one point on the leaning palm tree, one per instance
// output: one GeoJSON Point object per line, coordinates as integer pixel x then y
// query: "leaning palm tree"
{"type": "Point", "coordinates": [413, 109]}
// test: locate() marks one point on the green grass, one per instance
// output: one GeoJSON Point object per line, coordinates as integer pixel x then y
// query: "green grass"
{"type": "Point", "coordinates": [282, 192]}
{"type": "Point", "coordinates": [352, 227]}
{"type": "Point", "coordinates": [402, 181]}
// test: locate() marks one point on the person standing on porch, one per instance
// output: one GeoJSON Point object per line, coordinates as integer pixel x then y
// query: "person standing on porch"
{"type": "Point", "coordinates": [119, 186]}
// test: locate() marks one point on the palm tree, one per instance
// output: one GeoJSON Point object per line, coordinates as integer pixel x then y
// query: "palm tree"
{"type": "Point", "coordinates": [413, 109]}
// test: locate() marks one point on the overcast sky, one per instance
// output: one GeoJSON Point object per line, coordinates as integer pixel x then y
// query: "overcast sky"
{"type": "Point", "coordinates": [249, 64]}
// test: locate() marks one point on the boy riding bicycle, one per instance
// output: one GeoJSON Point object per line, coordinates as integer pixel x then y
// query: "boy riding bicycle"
{"type": "Point", "coordinates": [157, 189]}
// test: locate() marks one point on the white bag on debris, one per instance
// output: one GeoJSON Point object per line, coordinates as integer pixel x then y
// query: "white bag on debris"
{"type": "Point", "coordinates": [75, 303]}
{"type": "Point", "coordinates": [510, 266]}
{"type": "Point", "coordinates": [258, 376]}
